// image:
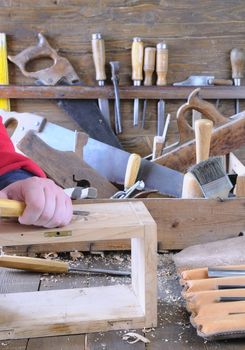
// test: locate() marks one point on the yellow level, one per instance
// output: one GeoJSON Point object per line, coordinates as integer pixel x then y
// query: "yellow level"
{"type": "Point", "coordinates": [4, 76]}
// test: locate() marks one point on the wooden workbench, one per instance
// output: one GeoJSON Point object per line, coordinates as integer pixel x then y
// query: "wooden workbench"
{"type": "Point", "coordinates": [173, 332]}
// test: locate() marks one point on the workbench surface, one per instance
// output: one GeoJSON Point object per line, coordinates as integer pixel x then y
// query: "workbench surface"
{"type": "Point", "coordinates": [173, 332]}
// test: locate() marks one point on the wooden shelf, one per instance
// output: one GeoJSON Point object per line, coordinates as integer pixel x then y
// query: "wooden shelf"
{"type": "Point", "coordinates": [125, 92]}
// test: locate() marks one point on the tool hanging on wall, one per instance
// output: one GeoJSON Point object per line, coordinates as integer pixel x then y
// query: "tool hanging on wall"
{"type": "Point", "coordinates": [4, 76]}
{"type": "Point", "coordinates": [149, 67]}
{"type": "Point", "coordinates": [161, 69]}
{"type": "Point", "coordinates": [85, 113]}
{"type": "Point", "coordinates": [115, 80]}
{"type": "Point", "coordinates": [98, 48]}
{"type": "Point", "coordinates": [137, 72]}
{"type": "Point", "coordinates": [237, 57]}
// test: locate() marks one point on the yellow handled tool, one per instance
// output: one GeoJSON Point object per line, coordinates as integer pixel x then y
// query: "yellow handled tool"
{"type": "Point", "coordinates": [13, 208]}
{"type": "Point", "coordinates": [4, 76]}
{"type": "Point", "coordinates": [50, 266]}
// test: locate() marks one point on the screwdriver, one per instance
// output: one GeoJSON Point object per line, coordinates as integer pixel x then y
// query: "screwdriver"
{"type": "Point", "coordinates": [50, 266]}
{"type": "Point", "coordinates": [137, 71]}
{"type": "Point", "coordinates": [161, 69]}
{"type": "Point", "coordinates": [98, 48]}
{"type": "Point", "coordinates": [149, 67]}
{"type": "Point", "coordinates": [237, 58]}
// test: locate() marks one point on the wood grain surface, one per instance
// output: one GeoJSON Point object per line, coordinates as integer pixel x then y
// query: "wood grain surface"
{"type": "Point", "coordinates": [199, 42]}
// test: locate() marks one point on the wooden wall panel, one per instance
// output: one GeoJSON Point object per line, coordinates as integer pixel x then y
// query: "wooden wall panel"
{"type": "Point", "coordinates": [200, 35]}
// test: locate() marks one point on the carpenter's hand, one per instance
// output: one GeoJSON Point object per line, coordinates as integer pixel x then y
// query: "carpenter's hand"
{"type": "Point", "coordinates": [46, 203]}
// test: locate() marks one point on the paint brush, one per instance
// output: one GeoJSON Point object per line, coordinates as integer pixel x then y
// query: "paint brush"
{"type": "Point", "coordinates": [212, 178]}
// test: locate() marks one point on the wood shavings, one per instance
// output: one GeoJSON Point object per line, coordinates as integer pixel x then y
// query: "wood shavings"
{"type": "Point", "coordinates": [76, 255]}
{"type": "Point", "coordinates": [133, 338]}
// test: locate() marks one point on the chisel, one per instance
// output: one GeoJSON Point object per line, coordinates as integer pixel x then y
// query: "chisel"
{"type": "Point", "coordinates": [50, 266]}
{"type": "Point", "coordinates": [149, 67]}
{"type": "Point", "coordinates": [237, 57]}
{"type": "Point", "coordinates": [98, 48]}
{"type": "Point", "coordinates": [137, 71]}
{"type": "Point", "coordinates": [161, 69]}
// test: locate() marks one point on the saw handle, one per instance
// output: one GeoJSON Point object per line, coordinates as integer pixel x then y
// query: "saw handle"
{"type": "Point", "coordinates": [137, 55]}
{"type": "Point", "coordinates": [33, 264]}
{"type": "Point", "coordinates": [132, 170]}
{"type": "Point", "coordinates": [98, 48]}
{"type": "Point", "coordinates": [162, 64]}
{"type": "Point", "coordinates": [149, 64]}
{"type": "Point", "coordinates": [208, 110]}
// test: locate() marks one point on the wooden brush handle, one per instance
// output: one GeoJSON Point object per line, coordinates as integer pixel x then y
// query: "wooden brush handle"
{"type": "Point", "coordinates": [203, 131]}
{"type": "Point", "coordinates": [33, 264]}
{"type": "Point", "coordinates": [11, 208]}
{"type": "Point", "coordinates": [132, 170]}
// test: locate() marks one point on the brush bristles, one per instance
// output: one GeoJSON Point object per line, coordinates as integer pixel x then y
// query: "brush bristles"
{"type": "Point", "coordinates": [208, 170]}
{"type": "Point", "coordinates": [212, 178]}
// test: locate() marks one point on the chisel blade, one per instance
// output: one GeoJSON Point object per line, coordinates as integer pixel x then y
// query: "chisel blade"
{"type": "Point", "coordinates": [105, 110]}
{"type": "Point", "coordinates": [136, 112]}
{"type": "Point", "coordinates": [160, 117]}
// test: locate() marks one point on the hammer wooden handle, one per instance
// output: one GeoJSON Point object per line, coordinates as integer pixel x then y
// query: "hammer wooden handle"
{"type": "Point", "coordinates": [162, 64]}
{"type": "Point", "coordinates": [33, 264]}
{"type": "Point", "coordinates": [149, 64]}
{"type": "Point", "coordinates": [132, 170]}
{"type": "Point", "coordinates": [137, 59]}
{"type": "Point", "coordinates": [98, 48]}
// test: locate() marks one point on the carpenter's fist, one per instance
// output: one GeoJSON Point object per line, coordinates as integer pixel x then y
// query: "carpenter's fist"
{"type": "Point", "coordinates": [46, 203]}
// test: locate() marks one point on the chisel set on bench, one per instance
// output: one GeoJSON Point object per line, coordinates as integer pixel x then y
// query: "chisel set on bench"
{"type": "Point", "coordinates": [215, 298]}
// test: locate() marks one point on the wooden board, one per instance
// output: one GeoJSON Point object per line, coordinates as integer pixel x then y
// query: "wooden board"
{"type": "Point", "coordinates": [102, 308]}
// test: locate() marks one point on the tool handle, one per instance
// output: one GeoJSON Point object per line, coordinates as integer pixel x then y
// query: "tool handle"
{"type": "Point", "coordinates": [203, 130]}
{"type": "Point", "coordinates": [206, 108]}
{"type": "Point", "coordinates": [132, 170]}
{"type": "Point", "coordinates": [137, 59]}
{"type": "Point", "coordinates": [11, 208]}
{"type": "Point", "coordinates": [158, 144]}
{"type": "Point", "coordinates": [162, 64]}
{"type": "Point", "coordinates": [149, 64]}
{"type": "Point", "coordinates": [223, 82]}
{"type": "Point", "coordinates": [98, 48]}
{"type": "Point", "coordinates": [33, 264]}
{"type": "Point", "coordinates": [237, 57]}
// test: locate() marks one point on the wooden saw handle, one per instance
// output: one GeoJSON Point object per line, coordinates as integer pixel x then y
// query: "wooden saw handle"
{"type": "Point", "coordinates": [11, 208]}
{"type": "Point", "coordinates": [33, 264]}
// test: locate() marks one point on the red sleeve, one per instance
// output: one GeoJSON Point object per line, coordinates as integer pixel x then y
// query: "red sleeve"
{"type": "Point", "coordinates": [11, 160]}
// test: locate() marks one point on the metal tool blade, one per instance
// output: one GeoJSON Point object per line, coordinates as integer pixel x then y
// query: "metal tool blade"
{"type": "Point", "coordinates": [222, 272]}
{"type": "Point", "coordinates": [144, 114]}
{"type": "Point", "coordinates": [105, 110]}
{"type": "Point", "coordinates": [196, 80]}
{"type": "Point", "coordinates": [160, 117]}
{"type": "Point", "coordinates": [136, 111]}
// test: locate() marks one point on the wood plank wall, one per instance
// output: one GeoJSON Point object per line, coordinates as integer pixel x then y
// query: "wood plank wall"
{"type": "Point", "coordinates": [200, 35]}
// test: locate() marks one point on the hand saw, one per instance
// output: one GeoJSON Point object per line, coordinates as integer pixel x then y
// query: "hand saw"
{"type": "Point", "coordinates": [85, 113]}
{"type": "Point", "coordinates": [228, 134]}
{"type": "Point", "coordinates": [110, 162]}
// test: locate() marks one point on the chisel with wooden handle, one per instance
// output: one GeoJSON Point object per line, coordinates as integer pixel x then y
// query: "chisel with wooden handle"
{"type": "Point", "coordinates": [50, 266]}
{"type": "Point", "coordinates": [149, 67]}
{"type": "Point", "coordinates": [98, 48]}
{"type": "Point", "coordinates": [161, 69]}
{"type": "Point", "coordinates": [12, 208]}
{"type": "Point", "coordinates": [137, 71]}
{"type": "Point", "coordinates": [237, 57]}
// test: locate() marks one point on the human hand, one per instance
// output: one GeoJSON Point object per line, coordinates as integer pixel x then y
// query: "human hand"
{"type": "Point", "coordinates": [46, 203]}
